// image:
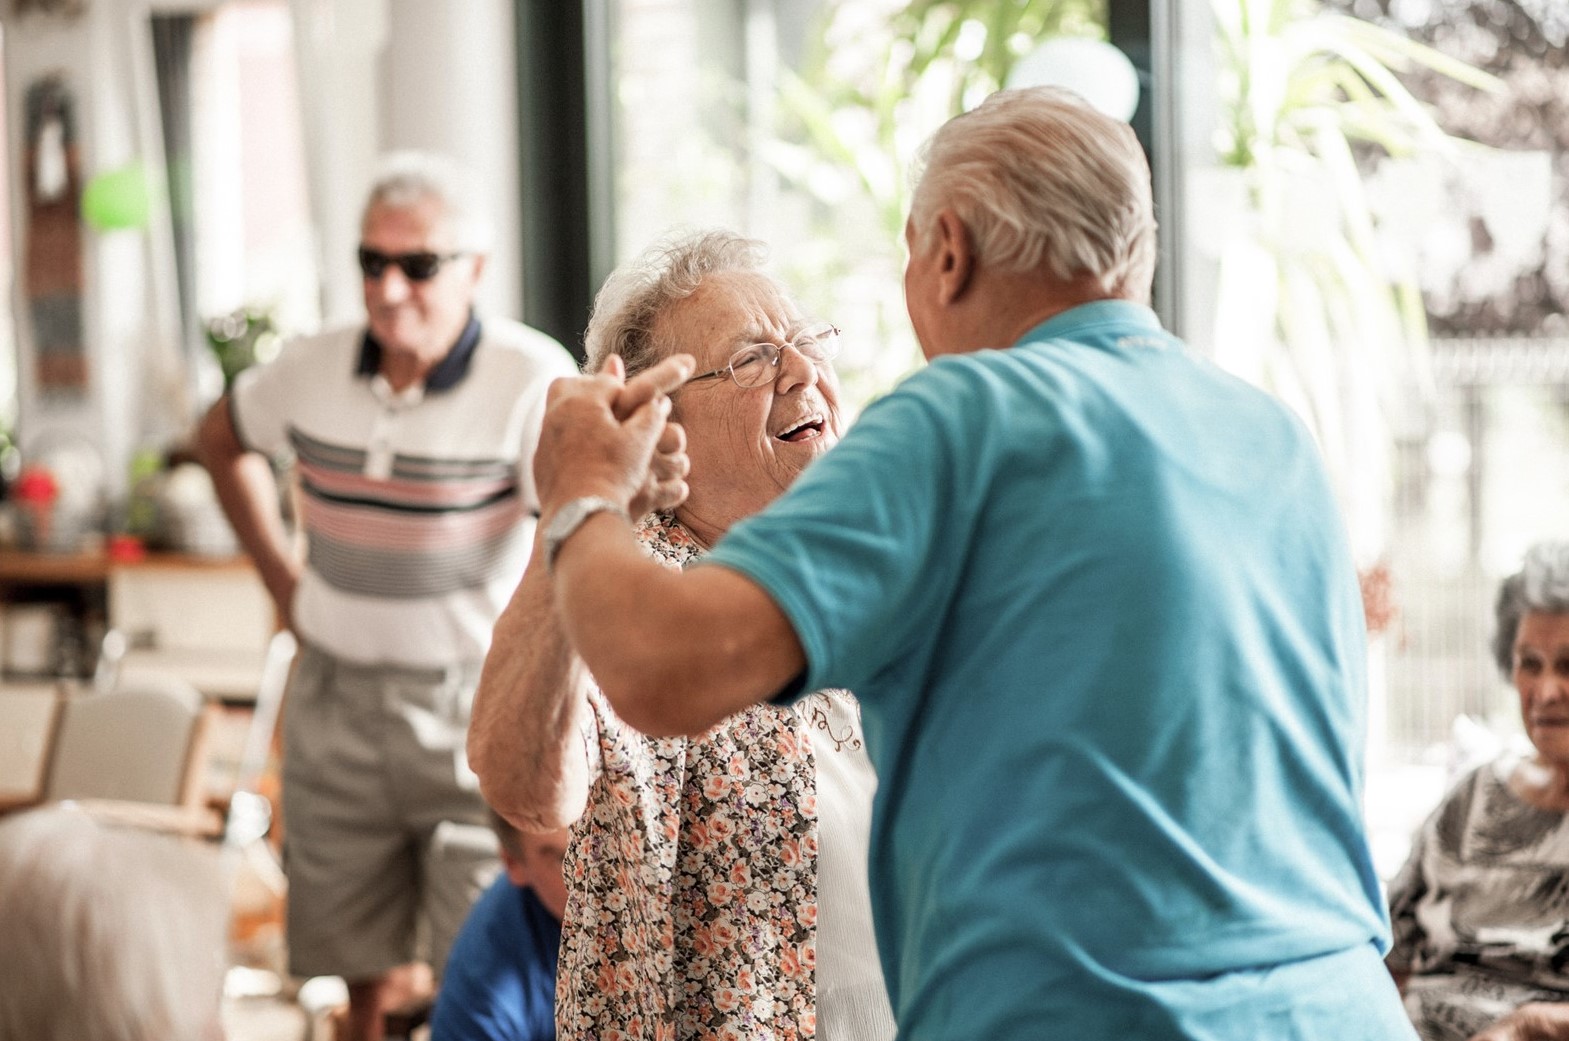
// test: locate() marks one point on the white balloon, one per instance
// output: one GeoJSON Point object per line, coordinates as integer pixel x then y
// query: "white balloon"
{"type": "Point", "coordinates": [1093, 69]}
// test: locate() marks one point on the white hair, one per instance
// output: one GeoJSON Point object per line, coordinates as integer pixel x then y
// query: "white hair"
{"type": "Point", "coordinates": [1043, 180]}
{"type": "Point", "coordinates": [630, 303]}
{"type": "Point", "coordinates": [1541, 586]}
{"type": "Point", "coordinates": [407, 178]}
{"type": "Point", "coordinates": [106, 935]}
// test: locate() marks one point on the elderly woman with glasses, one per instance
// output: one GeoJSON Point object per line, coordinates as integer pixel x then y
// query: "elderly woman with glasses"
{"type": "Point", "coordinates": [1481, 908]}
{"type": "Point", "coordinates": [717, 884]}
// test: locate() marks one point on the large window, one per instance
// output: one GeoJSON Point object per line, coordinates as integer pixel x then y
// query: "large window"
{"type": "Point", "coordinates": [1482, 471]}
{"type": "Point", "coordinates": [808, 112]}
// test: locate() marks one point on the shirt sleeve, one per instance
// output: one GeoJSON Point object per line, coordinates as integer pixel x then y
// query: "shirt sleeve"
{"type": "Point", "coordinates": [259, 402]}
{"type": "Point", "coordinates": [555, 364]}
{"type": "Point", "coordinates": [863, 552]}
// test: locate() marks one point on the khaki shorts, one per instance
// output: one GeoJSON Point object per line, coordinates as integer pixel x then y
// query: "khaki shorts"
{"type": "Point", "coordinates": [387, 844]}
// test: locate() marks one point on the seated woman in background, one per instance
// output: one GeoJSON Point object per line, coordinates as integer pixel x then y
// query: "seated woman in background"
{"type": "Point", "coordinates": [717, 885]}
{"type": "Point", "coordinates": [1481, 908]}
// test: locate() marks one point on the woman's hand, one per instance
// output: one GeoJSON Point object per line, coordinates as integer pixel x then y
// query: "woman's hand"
{"type": "Point", "coordinates": [606, 436]}
{"type": "Point", "coordinates": [1533, 1021]}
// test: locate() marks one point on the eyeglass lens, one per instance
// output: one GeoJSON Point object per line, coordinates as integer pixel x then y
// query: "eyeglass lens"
{"type": "Point", "coordinates": [753, 366]}
{"type": "Point", "coordinates": [416, 267]}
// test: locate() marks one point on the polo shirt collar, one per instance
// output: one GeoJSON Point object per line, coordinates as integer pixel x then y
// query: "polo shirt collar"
{"type": "Point", "coordinates": [1079, 319]}
{"type": "Point", "coordinates": [447, 373]}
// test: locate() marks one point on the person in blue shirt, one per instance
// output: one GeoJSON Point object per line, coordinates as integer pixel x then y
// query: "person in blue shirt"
{"type": "Point", "coordinates": [500, 983]}
{"type": "Point", "coordinates": [1094, 597]}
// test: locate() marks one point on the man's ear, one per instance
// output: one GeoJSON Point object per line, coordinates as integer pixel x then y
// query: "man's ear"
{"type": "Point", "coordinates": [955, 257]}
{"type": "Point", "coordinates": [479, 265]}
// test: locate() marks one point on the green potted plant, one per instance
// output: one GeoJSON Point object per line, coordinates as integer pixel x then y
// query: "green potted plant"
{"type": "Point", "coordinates": [242, 338]}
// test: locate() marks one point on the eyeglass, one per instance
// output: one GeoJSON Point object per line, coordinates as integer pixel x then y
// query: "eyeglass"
{"type": "Point", "coordinates": [755, 364]}
{"type": "Point", "coordinates": [416, 267]}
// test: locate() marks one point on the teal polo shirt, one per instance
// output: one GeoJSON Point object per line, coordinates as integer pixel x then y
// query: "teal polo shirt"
{"type": "Point", "coordinates": [1094, 596]}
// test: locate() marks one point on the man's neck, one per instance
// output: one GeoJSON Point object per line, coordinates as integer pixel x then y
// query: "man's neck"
{"type": "Point", "coordinates": [1001, 307]}
{"type": "Point", "coordinates": [404, 368]}
{"type": "Point", "coordinates": [1035, 300]}
{"type": "Point", "coordinates": [402, 371]}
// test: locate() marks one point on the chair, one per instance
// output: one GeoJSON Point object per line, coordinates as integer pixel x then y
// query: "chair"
{"type": "Point", "coordinates": [256, 877]}
{"type": "Point", "coordinates": [250, 813]}
{"type": "Point", "coordinates": [28, 717]}
{"type": "Point", "coordinates": [251, 861]}
{"type": "Point", "coordinates": [137, 746]}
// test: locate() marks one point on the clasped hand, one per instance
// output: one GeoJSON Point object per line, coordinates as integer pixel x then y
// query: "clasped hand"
{"type": "Point", "coordinates": [609, 436]}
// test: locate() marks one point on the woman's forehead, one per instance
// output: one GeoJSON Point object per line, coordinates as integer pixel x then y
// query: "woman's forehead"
{"type": "Point", "coordinates": [1547, 628]}
{"type": "Point", "coordinates": [728, 310]}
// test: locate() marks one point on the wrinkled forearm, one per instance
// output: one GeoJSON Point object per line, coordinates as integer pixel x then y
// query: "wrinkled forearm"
{"type": "Point", "coordinates": [526, 736]}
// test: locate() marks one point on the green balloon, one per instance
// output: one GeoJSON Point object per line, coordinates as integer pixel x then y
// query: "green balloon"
{"type": "Point", "coordinates": [117, 199]}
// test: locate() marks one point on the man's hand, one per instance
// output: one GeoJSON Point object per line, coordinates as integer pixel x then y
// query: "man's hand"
{"type": "Point", "coordinates": [606, 436]}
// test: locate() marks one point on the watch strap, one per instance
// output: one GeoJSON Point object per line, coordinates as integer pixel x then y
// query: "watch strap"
{"type": "Point", "coordinates": [565, 522]}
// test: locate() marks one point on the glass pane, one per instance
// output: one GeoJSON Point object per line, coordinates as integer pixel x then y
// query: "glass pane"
{"type": "Point", "coordinates": [796, 122]}
{"type": "Point", "coordinates": [253, 241]}
{"type": "Point", "coordinates": [1450, 459]}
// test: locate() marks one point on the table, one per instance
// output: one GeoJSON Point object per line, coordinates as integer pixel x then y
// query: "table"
{"type": "Point", "coordinates": [205, 619]}
{"type": "Point", "coordinates": [29, 718]}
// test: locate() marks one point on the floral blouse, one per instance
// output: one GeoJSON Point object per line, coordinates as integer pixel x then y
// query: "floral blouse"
{"type": "Point", "coordinates": [692, 875]}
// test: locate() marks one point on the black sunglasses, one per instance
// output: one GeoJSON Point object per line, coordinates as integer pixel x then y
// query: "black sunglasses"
{"type": "Point", "coordinates": [416, 267]}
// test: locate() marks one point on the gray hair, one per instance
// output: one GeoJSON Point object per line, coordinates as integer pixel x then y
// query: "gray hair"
{"type": "Point", "coordinates": [1542, 585]}
{"type": "Point", "coordinates": [1040, 178]}
{"type": "Point", "coordinates": [636, 294]}
{"type": "Point", "coordinates": [110, 935]}
{"type": "Point", "coordinates": [407, 178]}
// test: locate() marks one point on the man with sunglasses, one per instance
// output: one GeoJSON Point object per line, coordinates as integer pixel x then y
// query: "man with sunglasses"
{"type": "Point", "coordinates": [412, 439]}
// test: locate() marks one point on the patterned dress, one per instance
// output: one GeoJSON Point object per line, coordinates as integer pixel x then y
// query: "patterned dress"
{"type": "Point", "coordinates": [1481, 908]}
{"type": "Point", "coordinates": [692, 874]}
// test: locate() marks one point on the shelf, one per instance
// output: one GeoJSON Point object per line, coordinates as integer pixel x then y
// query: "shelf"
{"type": "Point", "coordinates": [18, 567]}
{"type": "Point", "coordinates": [22, 567]}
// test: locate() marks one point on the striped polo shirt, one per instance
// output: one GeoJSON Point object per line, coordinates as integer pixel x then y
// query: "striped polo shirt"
{"type": "Point", "coordinates": [418, 508]}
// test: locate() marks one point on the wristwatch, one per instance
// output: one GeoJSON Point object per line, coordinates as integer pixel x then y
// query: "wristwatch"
{"type": "Point", "coordinates": [567, 520]}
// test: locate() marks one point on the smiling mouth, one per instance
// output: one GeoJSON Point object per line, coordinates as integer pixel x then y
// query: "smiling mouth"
{"type": "Point", "coordinates": [809, 430]}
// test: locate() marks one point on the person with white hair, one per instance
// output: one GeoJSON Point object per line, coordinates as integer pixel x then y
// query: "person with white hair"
{"type": "Point", "coordinates": [107, 934]}
{"type": "Point", "coordinates": [1094, 597]}
{"type": "Point", "coordinates": [411, 437]}
{"type": "Point", "coordinates": [717, 883]}
{"type": "Point", "coordinates": [1481, 908]}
